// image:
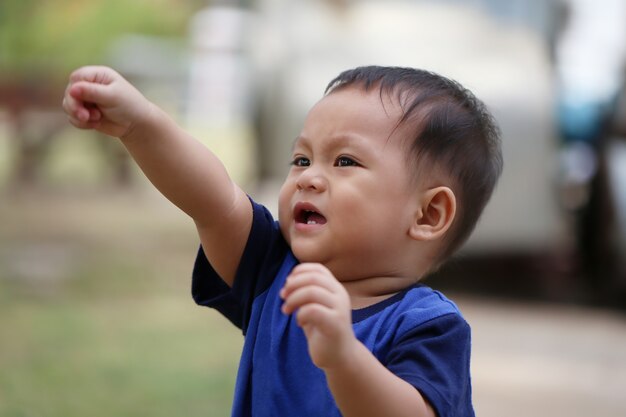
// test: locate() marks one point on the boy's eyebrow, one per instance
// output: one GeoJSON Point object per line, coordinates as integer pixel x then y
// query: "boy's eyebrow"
{"type": "Point", "coordinates": [297, 141]}
{"type": "Point", "coordinates": [335, 141]}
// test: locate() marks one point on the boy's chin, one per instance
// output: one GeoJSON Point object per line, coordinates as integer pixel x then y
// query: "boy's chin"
{"type": "Point", "coordinates": [306, 253]}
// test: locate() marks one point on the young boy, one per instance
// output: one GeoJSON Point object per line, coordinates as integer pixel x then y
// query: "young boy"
{"type": "Point", "coordinates": [388, 177]}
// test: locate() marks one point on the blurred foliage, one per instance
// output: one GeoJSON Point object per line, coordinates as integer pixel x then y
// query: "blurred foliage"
{"type": "Point", "coordinates": [56, 36]}
{"type": "Point", "coordinates": [91, 325]}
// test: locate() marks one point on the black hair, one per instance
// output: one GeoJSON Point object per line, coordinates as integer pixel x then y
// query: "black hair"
{"type": "Point", "coordinates": [451, 129]}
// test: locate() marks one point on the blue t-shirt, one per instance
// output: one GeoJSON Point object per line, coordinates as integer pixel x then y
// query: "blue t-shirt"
{"type": "Point", "coordinates": [418, 334]}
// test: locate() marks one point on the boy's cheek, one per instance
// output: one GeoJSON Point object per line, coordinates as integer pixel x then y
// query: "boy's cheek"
{"type": "Point", "coordinates": [284, 213]}
{"type": "Point", "coordinates": [284, 230]}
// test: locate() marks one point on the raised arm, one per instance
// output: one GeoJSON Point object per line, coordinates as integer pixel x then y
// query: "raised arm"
{"type": "Point", "coordinates": [179, 166]}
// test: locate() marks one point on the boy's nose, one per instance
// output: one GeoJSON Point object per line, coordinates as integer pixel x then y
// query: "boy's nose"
{"type": "Point", "coordinates": [311, 179]}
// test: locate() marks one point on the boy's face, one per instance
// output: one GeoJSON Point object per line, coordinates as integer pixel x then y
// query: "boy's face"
{"type": "Point", "coordinates": [348, 200]}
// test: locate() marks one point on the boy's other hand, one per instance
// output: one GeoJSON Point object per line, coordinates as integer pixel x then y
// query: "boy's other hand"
{"type": "Point", "coordinates": [323, 310]}
{"type": "Point", "coordinates": [99, 98]}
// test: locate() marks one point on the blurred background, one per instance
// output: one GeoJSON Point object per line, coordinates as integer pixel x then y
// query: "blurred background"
{"type": "Point", "coordinates": [96, 316]}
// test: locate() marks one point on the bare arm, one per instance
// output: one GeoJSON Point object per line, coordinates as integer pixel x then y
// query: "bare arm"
{"type": "Point", "coordinates": [363, 387]}
{"type": "Point", "coordinates": [179, 166]}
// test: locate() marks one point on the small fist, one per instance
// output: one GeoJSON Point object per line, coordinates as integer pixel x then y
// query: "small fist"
{"type": "Point", "coordinates": [322, 308]}
{"type": "Point", "coordinates": [99, 98]}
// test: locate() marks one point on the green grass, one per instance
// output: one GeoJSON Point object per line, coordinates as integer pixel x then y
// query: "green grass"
{"type": "Point", "coordinates": [96, 318]}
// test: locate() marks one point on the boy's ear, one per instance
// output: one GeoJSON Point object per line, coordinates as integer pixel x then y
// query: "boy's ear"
{"type": "Point", "coordinates": [435, 214]}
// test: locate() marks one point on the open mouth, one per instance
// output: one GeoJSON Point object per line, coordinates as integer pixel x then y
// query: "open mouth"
{"type": "Point", "coordinates": [308, 214]}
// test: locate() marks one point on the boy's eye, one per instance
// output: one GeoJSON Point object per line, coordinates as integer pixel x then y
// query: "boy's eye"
{"type": "Point", "coordinates": [301, 161]}
{"type": "Point", "coordinates": [344, 161]}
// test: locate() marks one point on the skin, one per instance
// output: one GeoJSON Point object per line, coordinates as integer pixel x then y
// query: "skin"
{"type": "Point", "coordinates": [349, 164]}
{"type": "Point", "coordinates": [378, 232]}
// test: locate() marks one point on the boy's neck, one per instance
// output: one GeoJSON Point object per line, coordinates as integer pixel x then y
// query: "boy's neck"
{"type": "Point", "coordinates": [369, 291]}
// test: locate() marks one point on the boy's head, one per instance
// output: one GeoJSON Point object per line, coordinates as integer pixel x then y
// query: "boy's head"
{"type": "Point", "coordinates": [447, 129]}
{"type": "Point", "coordinates": [389, 157]}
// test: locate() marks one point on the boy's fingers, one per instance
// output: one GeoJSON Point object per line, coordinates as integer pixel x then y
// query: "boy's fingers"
{"type": "Point", "coordinates": [311, 276]}
{"type": "Point", "coordinates": [93, 73]}
{"type": "Point", "coordinates": [308, 295]}
{"type": "Point", "coordinates": [80, 124]}
{"type": "Point", "coordinates": [310, 266]}
{"type": "Point", "coordinates": [75, 110]}
{"type": "Point", "coordinates": [94, 114]}
{"type": "Point", "coordinates": [315, 315]}
{"type": "Point", "coordinates": [91, 93]}
{"type": "Point", "coordinates": [302, 279]}
{"type": "Point", "coordinates": [69, 103]}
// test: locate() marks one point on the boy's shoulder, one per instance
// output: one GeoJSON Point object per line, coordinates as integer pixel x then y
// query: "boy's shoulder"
{"type": "Point", "coordinates": [428, 302]}
{"type": "Point", "coordinates": [419, 301]}
{"type": "Point", "coordinates": [418, 313]}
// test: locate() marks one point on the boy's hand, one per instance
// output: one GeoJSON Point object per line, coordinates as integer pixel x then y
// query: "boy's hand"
{"type": "Point", "coordinates": [360, 384]}
{"type": "Point", "coordinates": [99, 98]}
{"type": "Point", "coordinates": [323, 310]}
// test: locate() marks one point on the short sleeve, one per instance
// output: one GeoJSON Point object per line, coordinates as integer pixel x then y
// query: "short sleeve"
{"type": "Point", "coordinates": [435, 358]}
{"type": "Point", "coordinates": [261, 259]}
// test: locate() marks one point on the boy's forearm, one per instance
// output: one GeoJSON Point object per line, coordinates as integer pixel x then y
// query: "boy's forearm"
{"type": "Point", "coordinates": [180, 167]}
{"type": "Point", "coordinates": [363, 387]}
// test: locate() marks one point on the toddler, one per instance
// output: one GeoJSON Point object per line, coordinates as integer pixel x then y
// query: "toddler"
{"type": "Point", "coordinates": [388, 177]}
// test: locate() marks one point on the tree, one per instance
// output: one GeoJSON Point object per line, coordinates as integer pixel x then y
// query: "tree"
{"type": "Point", "coordinates": [51, 37]}
{"type": "Point", "coordinates": [42, 41]}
